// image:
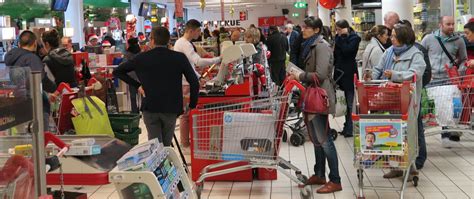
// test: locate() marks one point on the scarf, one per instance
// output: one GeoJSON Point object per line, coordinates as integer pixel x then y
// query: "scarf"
{"type": "Point", "coordinates": [444, 39]}
{"type": "Point", "coordinates": [380, 44]}
{"type": "Point", "coordinates": [307, 45]}
{"type": "Point", "coordinates": [393, 52]}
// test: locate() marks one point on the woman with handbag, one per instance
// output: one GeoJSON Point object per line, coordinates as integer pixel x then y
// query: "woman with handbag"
{"type": "Point", "coordinates": [319, 101]}
{"type": "Point", "coordinates": [399, 63]}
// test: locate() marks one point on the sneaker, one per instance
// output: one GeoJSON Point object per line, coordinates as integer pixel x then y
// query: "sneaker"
{"type": "Point", "coordinates": [315, 180]}
{"type": "Point", "coordinates": [330, 187]}
{"type": "Point", "coordinates": [412, 174]}
{"type": "Point", "coordinates": [447, 143]}
{"type": "Point", "coordinates": [393, 174]}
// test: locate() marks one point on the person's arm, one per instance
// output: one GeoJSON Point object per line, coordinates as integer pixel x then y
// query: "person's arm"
{"type": "Point", "coordinates": [37, 65]}
{"type": "Point", "coordinates": [285, 43]}
{"type": "Point", "coordinates": [193, 81]}
{"type": "Point", "coordinates": [349, 46]}
{"type": "Point", "coordinates": [417, 67]}
{"type": "Point", "coordinates": [195, 58]}
{"type": "Point", "coordinates": [295, 50]}
{"type": "Point", "coordinates": [462, 56]}
{"type": "Point", "coordinates": [323, 65]}
{"type": "Point", "coordinates": [378, 69]}
{"type": "Point", "coordinates": [122, 72]}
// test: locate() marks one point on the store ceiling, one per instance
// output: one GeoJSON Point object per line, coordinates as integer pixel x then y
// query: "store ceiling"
{"type": "Point", "coordinates": [215, 4]}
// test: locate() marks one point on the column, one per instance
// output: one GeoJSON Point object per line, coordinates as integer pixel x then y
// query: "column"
{"type": "Point", "coordinates": [344, 12]}
{"type": "Point", "coordinates": [324, 15]}
{"type": "Point", "coordinates": [75, 14]}
{"type": "Point", "coordinates": [135, 8]}
{"type": "Point", "coordinates": [312, 8]}
{"type": "Point", "coordinates": [404, 9]}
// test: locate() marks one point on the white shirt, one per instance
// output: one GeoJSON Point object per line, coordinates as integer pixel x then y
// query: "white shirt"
{"type": "Point", "coordinates": [185, 46]}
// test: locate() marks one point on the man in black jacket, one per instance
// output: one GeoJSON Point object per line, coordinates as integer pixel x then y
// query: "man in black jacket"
{"type": "Point", "coordinates": [160, 72]}
{"type": "Point", "coordinates": [25, 56]}
{"type": "Point", "coordinates": [59, 60]}
{"type": "Point", "coordinates": [278, 46]}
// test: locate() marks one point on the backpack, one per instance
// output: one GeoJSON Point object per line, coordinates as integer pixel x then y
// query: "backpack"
{"type": "Point", "coordinates": [427, 74]}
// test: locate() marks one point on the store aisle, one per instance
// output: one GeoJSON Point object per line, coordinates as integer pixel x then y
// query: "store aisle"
{"type": "Point", "coordinates": [448, 173]}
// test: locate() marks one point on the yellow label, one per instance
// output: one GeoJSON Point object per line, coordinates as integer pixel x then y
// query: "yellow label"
{"type": "Point", "coordinates": [384, 135]}
{"type": "Point", "coordinates": [392, 144]}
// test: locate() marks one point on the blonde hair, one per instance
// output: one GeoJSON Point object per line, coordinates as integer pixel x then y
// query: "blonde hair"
{"type": "Point", "coordinates": [254, 34]}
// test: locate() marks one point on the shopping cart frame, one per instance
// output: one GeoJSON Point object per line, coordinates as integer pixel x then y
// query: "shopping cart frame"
{"type": "Point", "coordinates": [275, 162]}
{"type": "Point", "coordinates": [407, 113]}
{"type": "Point", "coordinates": [466, 87]}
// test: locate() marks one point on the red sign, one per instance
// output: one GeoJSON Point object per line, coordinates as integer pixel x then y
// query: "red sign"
{"type": "Point", "coordinates": [243, 15]}
{"type": "Point", "coordinates": [271, 21]}
{"type": "Point", "coordinates": [179, 9]}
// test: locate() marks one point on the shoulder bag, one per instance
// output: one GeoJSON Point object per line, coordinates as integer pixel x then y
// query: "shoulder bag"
{"type": "Point", "coordinates": [316, 99]}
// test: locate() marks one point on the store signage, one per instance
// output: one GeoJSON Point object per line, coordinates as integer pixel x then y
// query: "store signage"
{"type": "Point", "coordinates": [243, 15]}
{"type": "Point", "coordinates": [42, 22]}
{"type": "Point", "coordinates": [271, 21]}
{"type": "Point", "coordinates": [300, 5]}
{"type": "Point", "coordinates": [295, 14]}
{"type": "Point", "coordinates": [235, 22]}
{"type": "Point", "coordinates": [179, 13]}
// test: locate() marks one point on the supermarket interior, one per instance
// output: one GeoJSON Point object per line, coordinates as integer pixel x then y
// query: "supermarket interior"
{"type": "Point", "coordinates": [267, 99]}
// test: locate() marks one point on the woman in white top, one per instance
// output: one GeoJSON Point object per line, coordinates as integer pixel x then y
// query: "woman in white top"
{"type": "Point", "coordinates": [377, 37]}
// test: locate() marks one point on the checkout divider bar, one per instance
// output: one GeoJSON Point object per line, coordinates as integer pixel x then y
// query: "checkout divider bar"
{"type": "Point", "coordinates": [37, 134]}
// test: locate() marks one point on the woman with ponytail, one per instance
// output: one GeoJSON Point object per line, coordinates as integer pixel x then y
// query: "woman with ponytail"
{"type": "Point", "coordinates": [377, 37]}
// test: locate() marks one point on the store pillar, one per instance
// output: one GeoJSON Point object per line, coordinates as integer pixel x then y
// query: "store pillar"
{"type": "Point", "coordinates": [324, 15]}
{"type": "Point", "coordinates": [344, 12]}
{"type": "Point", "coordinates": [312, 8]}
{"type": "Point", "coordinates": [404, 9]}
{"type": "Point", "coordinates": [75, 14]}
{"type": "Point", "coordinates": [135, 8]}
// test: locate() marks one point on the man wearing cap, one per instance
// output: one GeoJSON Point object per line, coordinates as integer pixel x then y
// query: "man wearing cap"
{"type": "Point", "coordinates": [93, 45]}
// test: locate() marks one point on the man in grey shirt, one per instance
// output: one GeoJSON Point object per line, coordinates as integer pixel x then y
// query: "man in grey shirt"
{"type": "Point", "coordinates": [456, 48]}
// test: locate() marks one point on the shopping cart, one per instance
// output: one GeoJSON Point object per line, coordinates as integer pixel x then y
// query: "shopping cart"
{"type": "Point", "coordinates": [385, 129]}
{"type": "Point", "coordinates": [243, 130]}
{"type": "Point", "coordinates": [447, 106]}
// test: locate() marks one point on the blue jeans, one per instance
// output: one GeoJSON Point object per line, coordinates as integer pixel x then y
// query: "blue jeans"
{"type": "Point", "coordinates": [349, 94]}
{"type": "Point", "coordinates": [420, 160]}
{"type": "Point", "coordinates": [318, 129]}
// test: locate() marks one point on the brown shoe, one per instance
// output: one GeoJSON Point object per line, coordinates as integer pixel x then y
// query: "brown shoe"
{"type": "Point", "coordinates": [330, 187]}
{"type": "Point", "coordinates": [393, 174]}
{"type": "Point", "coordinates": [315, 180]}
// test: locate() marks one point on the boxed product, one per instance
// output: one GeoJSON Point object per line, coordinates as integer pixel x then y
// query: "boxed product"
{"type": "Point", "coordinates": [138, 153]}
{"type": "Point", "coordinates": [83, 142]}
{"type": "Point", "coordinates": [145, 164]}
{"type": "Point", "coordinates": [83, 150]}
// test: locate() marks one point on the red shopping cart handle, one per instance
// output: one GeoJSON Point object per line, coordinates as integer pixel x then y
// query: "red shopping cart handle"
{"type": "Point", "coordinates": [49, 137]}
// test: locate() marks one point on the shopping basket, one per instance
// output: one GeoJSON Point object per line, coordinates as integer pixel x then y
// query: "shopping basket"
{"type": "Point", "coordinates": [243, 130]}
{"type": "Point", "coordinates": [447, 105]}
{"type": "Point", "coordinates": [385, 129]}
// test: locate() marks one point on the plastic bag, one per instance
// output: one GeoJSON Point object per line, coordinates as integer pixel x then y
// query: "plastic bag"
{"type": "Point", "coordinates": [445, 111]}
{"type": "Point", "coordinates": [341, 105]}
{"type": "Point", "coordinates": [91, 121]}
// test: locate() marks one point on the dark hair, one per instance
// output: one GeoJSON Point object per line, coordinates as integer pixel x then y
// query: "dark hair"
{"type": "Point", "coordinates": [215, 33]}
{"type": "Point", "coordinates": [273, 28]}
{"type": "Point", "coordinates": [192, 24]}
{"type": "Point", "coordinates": [375, 137]}
{"type": "Point", "coordinates": [140, 33]}
{"type": "Point", "coordinates": [27, 38]}
{"type": "Point", "coordinates": [406, 22]}
{"type": "Point", "coordinates": [314, 22]}
{"type": "Point", "coordinates": [469, 26]}
{"type": "Point", "coordinates": [262, 36]}
{"type": "Point", "coordinates": [133, 46]}
{"type": "Point", "coordinates": [161, 35]}
{"type": "Point", "coordinates": [222, 30]}
{"type": "Point", "coordinates": [405, 34]}
{"type": "Point", "coordinates": [52, 37]}
{"type": "Point", "coordinates": [375, 31]}
{"type": "Point", "coordinates": [344, 24]}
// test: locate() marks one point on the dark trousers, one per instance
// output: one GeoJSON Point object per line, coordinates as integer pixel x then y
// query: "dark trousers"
{"type": "Point", "coordinates": [422, 155]}
{"type": "Point", "coordinates": [349, 94]}
{"type": "Point", "coordinates": [133, 98]}
{"type": "Point", "coordinates": [324, 148]}
{"type": "Point", "coordinates": [160, 125]}
{"type": "Point", "coordinates": [277, 71]}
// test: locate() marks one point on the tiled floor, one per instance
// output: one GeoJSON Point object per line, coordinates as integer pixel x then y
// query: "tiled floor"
{"type": "Point", "coordinates": [448, 173]}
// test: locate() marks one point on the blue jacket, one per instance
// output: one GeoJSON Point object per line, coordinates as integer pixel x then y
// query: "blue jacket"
{"type": "Point", "coordinates": [345, 51]}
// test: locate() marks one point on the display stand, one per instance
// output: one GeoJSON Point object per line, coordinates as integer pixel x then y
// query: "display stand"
{"type": "Point", "coordinates": [148, 184]}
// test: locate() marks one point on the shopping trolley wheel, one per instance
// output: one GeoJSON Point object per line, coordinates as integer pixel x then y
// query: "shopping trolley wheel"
{"type": "Point", "coordinates": [333, 133]}
{"type": "Point", "coordinates": [284, 137]}
{"type": "Point", "coordinates": [305, 193]}
{"type": "Point", "coordinates": [415, 181]}
{"type": "Point", "coordinates": [302, 177]}
{"type": "Point", "coordinates": [295, 139]}
{"type": "Point", "coordinates": [303, 138]}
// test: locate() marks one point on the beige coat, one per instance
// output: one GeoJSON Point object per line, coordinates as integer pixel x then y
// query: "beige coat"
{"type": "Point", "coordinates": [320, 61]}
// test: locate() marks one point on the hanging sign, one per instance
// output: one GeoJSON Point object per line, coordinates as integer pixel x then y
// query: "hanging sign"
{"type": "Point", "coordinates": [179, 13]}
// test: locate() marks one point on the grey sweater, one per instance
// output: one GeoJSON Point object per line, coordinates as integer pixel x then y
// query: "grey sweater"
{"type": "Point", "coordinates": [455, 46]}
